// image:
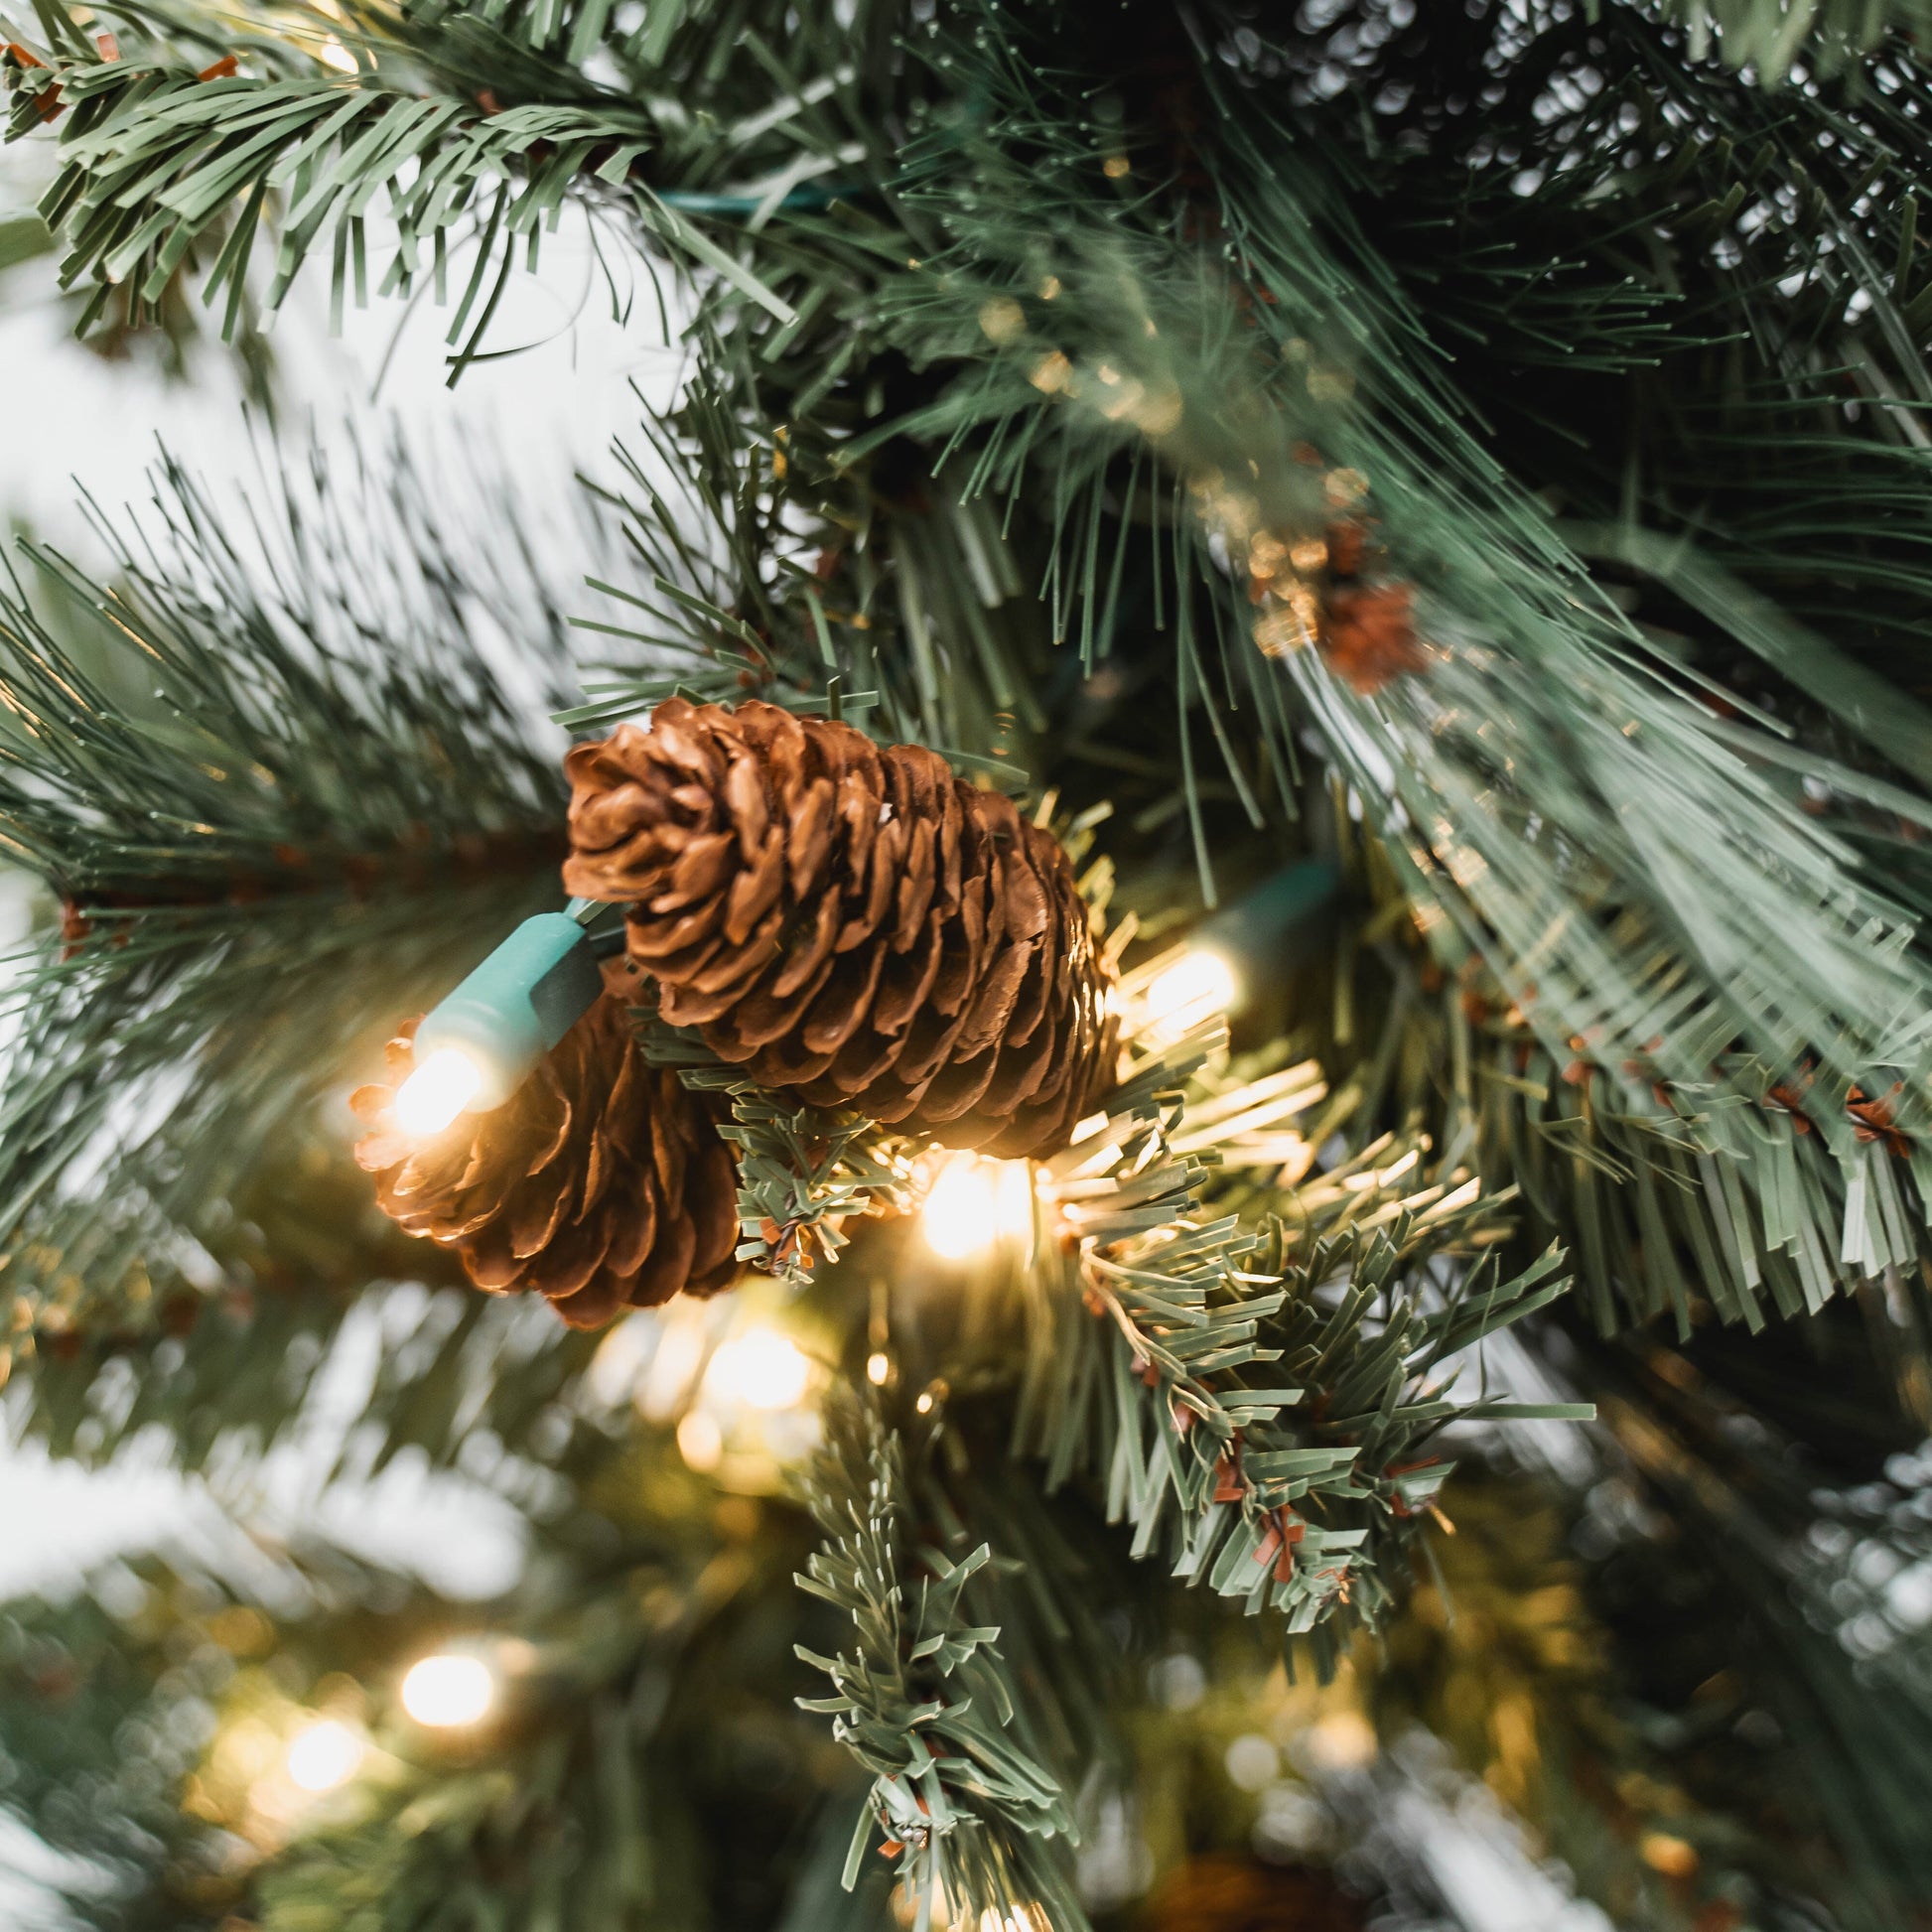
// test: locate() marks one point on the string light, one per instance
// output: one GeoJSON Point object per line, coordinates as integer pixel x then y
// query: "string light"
{"type": "Point", "coordinates": [324, 1755]}
{"type": "Point", "coordinates": [1022, 1918]}
{"type": "Point", "coordinates": [879, 1368]}
{"type": "Point", "coordinates": [1201, 985]}
{"type": "Point", "coordinates": [975, 1202]}
{"type": "Point", "coordinates": [449, 1691]}
{"type": "Point", "coordinates": [1232, 957]}
{"type": "Point", "coordinates": [440, 1088]}
{"type": "Point", "coordinates": [761, 1369]}
{"type": "Point", "coordinates": [481, 1040]}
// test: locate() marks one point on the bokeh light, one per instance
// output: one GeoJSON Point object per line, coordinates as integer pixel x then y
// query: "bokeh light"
{"type": "Point", "coordinates": [324, 1755]}
{"type": "Point", "coordinates": [449, 1691]}
{"type": "Point", "coordinates": [761, 1368]}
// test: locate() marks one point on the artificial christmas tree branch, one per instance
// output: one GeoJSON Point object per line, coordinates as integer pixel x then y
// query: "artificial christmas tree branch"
{"type": "Point", "coordinates": [968, 1816]}
{"type": "Point", "coordinates": [248, 774]}
{"type": "Point", "coordinates": [1293, 1492]}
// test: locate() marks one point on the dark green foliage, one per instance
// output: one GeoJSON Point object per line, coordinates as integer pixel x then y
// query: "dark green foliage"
{"type": "Point", "coordinates": [102, 1728]}
{"type": "Point", "coordinates": [922, 1701]}
{"type": "Point", "coordinates": [237, 831]}
{"type": "Point", "coordinates": [1773, 36]}
{"type": "Point", "coordinates": [1286, 1391]}
{"type": "Point", "coordinates": [1761, 1589]}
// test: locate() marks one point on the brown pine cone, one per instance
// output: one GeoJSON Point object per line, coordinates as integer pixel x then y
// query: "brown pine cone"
{"type": "Point", "coordinates": [1368, 635]}
{"type": "Point", "coordinates": [849, 919]}
{"type": "Point", "coordinates": [602, 1183]}
{"type": "Point", "coordinates": [1367, 627]}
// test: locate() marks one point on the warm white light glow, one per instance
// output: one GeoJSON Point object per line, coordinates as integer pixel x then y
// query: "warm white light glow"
{"type": "Point", "coordinates": [324, 1755]}
{"type": "Point", "coordinates": [334, 54]}
{"type": "Point", "coordinates": [446, 1083]}
{"type": "Point", "coordinates": [879, 1368]}
{"type": "Point", "coordinates": [1022, 1918]}
{"type": "Point", "coordinates": [446, 1691]}
{"type": "Point", "coordinates": [974, 1203]}
{"type": "Point", "coordinates": [700, 1442]}
{"type": "Point", "coordinates": [761, 1369]}
{"type": "Point", "coordinates": [1200, 985]}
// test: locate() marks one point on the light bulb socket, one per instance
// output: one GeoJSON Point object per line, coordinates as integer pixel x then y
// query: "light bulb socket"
{"type": "Point", "coordinates": [1277, 926]}
{"type": "Point", "coordinates": [516, 1005]}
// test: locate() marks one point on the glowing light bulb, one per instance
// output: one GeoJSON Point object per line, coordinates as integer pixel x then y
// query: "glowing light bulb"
{"type": "Point", "coordinates": [879, 1368]}
{"type": "Point", "coordinates": [1197, 986]}
{"type": "Point", "coordinates": [974, 1203]}
{"type": "Point", "coordinates": [446, 1691]}
{"type": "Point", "coordinates": [324, 1755]}
{"type": "Point", "coordinates": [431, 1097]}
{"type": "Point", "coordinates": [1022, 1918]}
{"type": "Point", "coordinates": [761, 1369]}
{"type": "Point", "coordinates": [1013, 1199]}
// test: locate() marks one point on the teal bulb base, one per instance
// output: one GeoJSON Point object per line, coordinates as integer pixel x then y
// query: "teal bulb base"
{"type": "Point", "coordinates": [516, 1005]}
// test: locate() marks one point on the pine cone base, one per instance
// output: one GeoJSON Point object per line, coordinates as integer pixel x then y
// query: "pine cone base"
{"type": "Point", "coordinates": [601, 1184]}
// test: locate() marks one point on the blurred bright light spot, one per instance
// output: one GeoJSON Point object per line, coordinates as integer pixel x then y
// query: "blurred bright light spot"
{"type": "Point", "coordinates": [1253, 1763]}
{"type": "Point", "coordinates": [1344, 1740]}
{"type": "Point", "coordinates": [1178, 1681]}
{"type": "Point", "coordinates": [700, 1442]}
{"type": "Point", "coordinates": [334, 54]}
{"type": "Point", "coordinates": [431, 1097]}
{"type": "Point", "coordinates": [446, 1691]}
{"type": "Point", "coordinates": [974, 1203]}
{"type": "Point", "coordinates": [677, 1363]}
{"type": "Point", "coordinates": [324, 1755]}
{"type": "Point", "coordinates": [1675, 1857]}
{"type": "Point", "coordinates": [879, 1368]}
{"type": "Point", "coordinates": [761, 1369]}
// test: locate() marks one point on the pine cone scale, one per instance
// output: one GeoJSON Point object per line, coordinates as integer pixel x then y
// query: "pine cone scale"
{"type": "Point", "coordinates": [702, 867]}
{"type": "Point", "coordinates": [756, 890]}
{"type": "Point", "coordinates": [728, 966]}
{"type": "Point", "coordinates": [814, 948]}
{"type": "Point", "coordinates": [917, 883]}
{"type": "Point", "coordinates": [839, 1011]}
{"type": "Point", "coordinates": [906, 981]}
{"type": "Point", "coordinates": [808, 844]}
{"type": "Point", "coordinates": [534, 1222]}
{"type": "Point", "coordinates": [750, 810]}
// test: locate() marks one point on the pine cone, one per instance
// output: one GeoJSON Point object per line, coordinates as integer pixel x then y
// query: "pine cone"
{"type": "Point", "coordinates": [1369, 637]}
{"type": "Point", "coordinates": [1367, 627]}
{"type": "Point", "coordinates": [848, 920]}
{"type": "Point", "coordinates": [602, 1183]}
